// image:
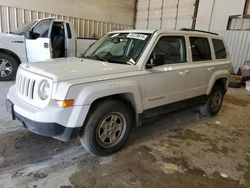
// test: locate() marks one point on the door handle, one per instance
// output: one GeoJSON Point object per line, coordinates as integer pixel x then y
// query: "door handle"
{"type": "Point", "coordinates": [210, 69]}
{"type": "Point", "coordinates": [184, 73]}
{"type": "Point", "coordinates": [46, 45]}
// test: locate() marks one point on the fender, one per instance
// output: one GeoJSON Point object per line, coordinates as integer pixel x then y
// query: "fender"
{"type": "Point", "coordinates": [216, 76]}
{"type": "Point", "coordinates": [14, 44]}
{"type": "Point", "coordinates": [86, 94]}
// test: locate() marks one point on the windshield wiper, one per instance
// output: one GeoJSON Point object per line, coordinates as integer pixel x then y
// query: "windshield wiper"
{"type": "Point", "coordinates": [101, 58]}
{"type": "Point", "coordinates": [96, 57]}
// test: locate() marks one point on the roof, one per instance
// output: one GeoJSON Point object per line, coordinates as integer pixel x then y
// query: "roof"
{"type": "Point", "coordinates": [163, 31]}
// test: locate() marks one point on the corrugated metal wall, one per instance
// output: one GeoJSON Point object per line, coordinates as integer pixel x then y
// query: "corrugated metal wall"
{"type": "Point", "coordinates": [166, 14]}
{"type": "Point", "coordinates": [11, 18]}
{"type": "Point", "coordinates": [238, 43]}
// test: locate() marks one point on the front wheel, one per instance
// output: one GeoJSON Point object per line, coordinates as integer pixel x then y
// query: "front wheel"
{"type": "Point", "coordinates": [213, 102]}
{"type": "Point", "coordinates": [8, 67]}
{"type": "Point", "coordinates": [107, 128]}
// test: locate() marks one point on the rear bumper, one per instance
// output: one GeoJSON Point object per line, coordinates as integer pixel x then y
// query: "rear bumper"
{"type": "Point", "coordinates": [54, 130]}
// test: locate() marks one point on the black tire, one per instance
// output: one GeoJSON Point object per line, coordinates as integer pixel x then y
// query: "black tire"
{"type": "Point", "coordinates": [214, 101]}
{"type": "Point", "coordinates": [8, 67]}
{"type": "Point", "coordinates": [103, 124]}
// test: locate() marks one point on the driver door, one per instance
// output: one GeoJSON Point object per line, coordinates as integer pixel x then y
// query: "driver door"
{"type": "Point", "coordinates": [169, 81]}
{"type": "Point", "coordinates": [38, 43]}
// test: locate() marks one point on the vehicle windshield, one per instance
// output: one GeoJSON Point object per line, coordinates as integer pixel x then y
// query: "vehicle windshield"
{"type": "Point", "coordinates": [122, 48]}
{"type": "Point", "coordinates": [24, 28]}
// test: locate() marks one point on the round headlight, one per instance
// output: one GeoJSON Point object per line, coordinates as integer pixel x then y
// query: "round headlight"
{"type": "Point", "coordinates": [44, 90]}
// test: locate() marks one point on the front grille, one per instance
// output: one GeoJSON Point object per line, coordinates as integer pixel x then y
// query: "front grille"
{"type": "Point", "coordinates": [25, 86]}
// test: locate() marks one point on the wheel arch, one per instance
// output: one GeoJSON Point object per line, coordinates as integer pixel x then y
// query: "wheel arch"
{"type": "Point", "coordinates": [126, 98]}
{"type": "Point", "coordinates": [12, 54]}
{"type": "Point", "coordinates": [223, 83]}
{"type": "Point", "coordinates": [220, 78]}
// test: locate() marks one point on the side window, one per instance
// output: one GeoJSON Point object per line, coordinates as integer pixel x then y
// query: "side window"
{"type": "Point", "coordinates": [173, 49]}
{"type": "Point", "coordinates": [42, 28]}
{"type": "Point", "coordinates": [200, 49]}
{"type": "Point", "coordinates": [219, 49]}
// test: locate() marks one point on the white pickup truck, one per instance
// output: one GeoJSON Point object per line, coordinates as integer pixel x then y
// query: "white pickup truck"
{"type": "Point", "coordinates": [38, 40]}
{"type": "Point", "coordinates": [125, 77]}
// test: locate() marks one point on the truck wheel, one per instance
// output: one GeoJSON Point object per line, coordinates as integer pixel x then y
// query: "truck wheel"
{"type": "Point", "coordinates": [8, 67]}
{"type": "Point", "coordinates": [107, 128]}
{"type": "Point", "coordinates": [213, 102]}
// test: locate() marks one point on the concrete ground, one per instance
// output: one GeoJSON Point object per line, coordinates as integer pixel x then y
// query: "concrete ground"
{"type": "Point", "coordinates": [181, 149]}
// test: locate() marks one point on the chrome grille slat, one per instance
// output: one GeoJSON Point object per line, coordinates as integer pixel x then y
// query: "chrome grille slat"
{"type": "Point", "coordinates": [25, 86]}
{"type": "Point", "coordinates": [20, 84]}
{"type": "Point", "coordinates": [31, 89]}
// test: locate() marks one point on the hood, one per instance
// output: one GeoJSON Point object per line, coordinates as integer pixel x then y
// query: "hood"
{"type": "Point", "coordinates": [64, 69]}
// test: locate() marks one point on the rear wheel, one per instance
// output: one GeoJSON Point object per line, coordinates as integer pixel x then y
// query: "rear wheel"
{"type": "Point", "coordinates": [107, 128]}
{"type": "Point", "coordinates": [8, 67]}
{"type": "Point", "coordinates": [213, 102]}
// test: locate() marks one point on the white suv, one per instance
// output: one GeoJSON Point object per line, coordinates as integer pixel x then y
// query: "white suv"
{"type": "Point", "coordinates": [123, 78]}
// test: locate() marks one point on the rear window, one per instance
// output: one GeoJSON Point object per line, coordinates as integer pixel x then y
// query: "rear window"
{"type": "Point", "coordinates": [200, 49]}
{"type": "Point", "coordinates": [219, 49]}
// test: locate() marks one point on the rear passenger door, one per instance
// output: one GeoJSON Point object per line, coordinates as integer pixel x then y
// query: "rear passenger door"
{"type": "Point", "coordinates": [208, 55]}
{"type": "Point", "coordinates": [203, 66]}
{"type": "Point", "coordinates": [169, 82]}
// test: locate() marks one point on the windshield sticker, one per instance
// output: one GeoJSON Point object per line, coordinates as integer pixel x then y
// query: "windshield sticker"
{"type": "Point", "coordinates": [137, 36]}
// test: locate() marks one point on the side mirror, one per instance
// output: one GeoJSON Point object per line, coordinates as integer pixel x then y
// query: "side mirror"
{"type": "Point", "coordinates": [31, 35]}
{"type": "Point", "coordinates": [156, 60]}
{"type": "Point", "coordinates": [28, 34]}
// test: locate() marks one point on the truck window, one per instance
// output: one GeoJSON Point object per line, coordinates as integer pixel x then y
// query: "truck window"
{"type": "Point", "coordinates": [24, 28]}
{"type": "Point", "coordinates": [200, 49]}
{"type": "Point", "coordinates": [173, 48]}
{"type": "Point", "coordinates": [42, 28]}
{"type": "Point", "coordinates": [68, 31]}
{"type": "Point", "coordinates": [219, 49]}
{"type": "Point", "coordinates": [58, 40]}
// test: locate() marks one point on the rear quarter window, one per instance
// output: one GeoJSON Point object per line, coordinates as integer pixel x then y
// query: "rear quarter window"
{"type": "Point", "coordinates": [219, 49]}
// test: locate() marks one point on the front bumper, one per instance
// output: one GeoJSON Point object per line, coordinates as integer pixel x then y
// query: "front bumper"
{"type": "Point", "coordinates": [60, 123]}
{"type": "Point", "coordinates": [54, 130]}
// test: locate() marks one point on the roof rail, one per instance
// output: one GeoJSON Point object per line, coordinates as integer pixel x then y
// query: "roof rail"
{"type": "Point", "coordinates": [186, 29]}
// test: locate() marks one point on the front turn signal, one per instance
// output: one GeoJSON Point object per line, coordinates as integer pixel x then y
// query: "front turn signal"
{"type": "Point", "coordinates": [66, 103]}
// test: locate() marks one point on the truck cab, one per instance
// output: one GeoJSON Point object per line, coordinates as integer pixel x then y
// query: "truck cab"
{"type": "Point", "coordinates": [38, 40]}
{"type": "Point", "coordinates": [49, 38]}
